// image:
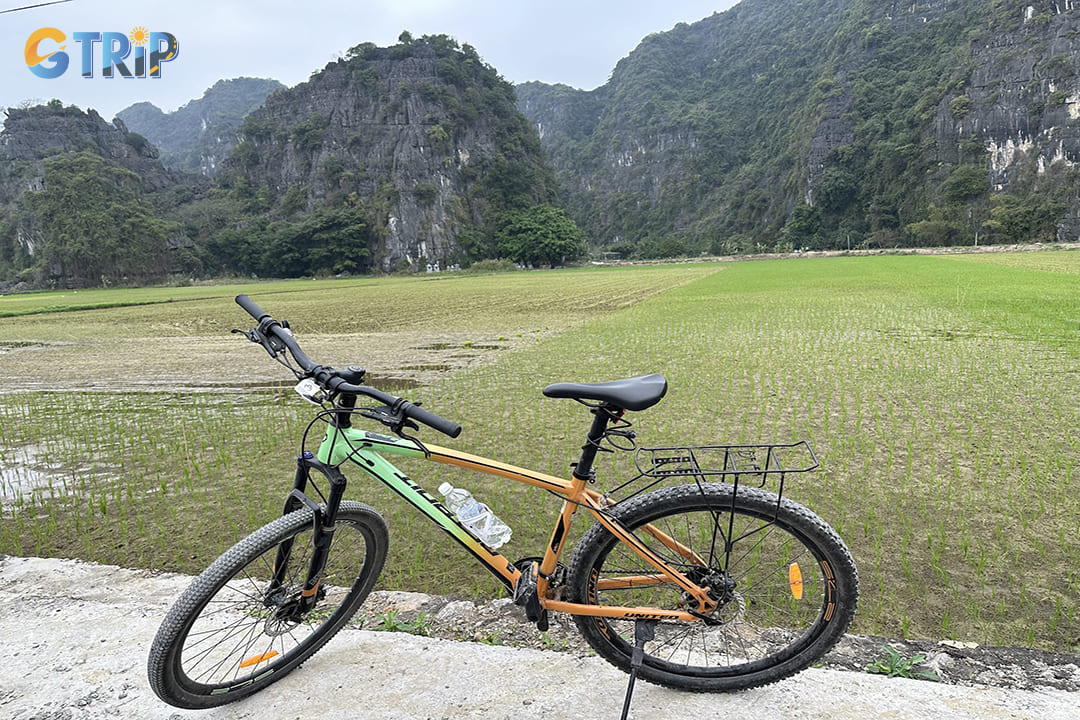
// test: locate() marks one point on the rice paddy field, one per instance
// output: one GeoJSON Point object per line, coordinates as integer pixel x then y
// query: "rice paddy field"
{"type": "Point", "coordinates": [939, 393]}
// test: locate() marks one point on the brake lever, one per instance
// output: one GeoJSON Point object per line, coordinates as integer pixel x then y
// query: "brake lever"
{"type": "Point", "coordinates": [271, 344]}
{"type": "Point", "coordinates": [398, 429]}
{"type": "Point", "coordinates": [405, 423]}
{"type": "Point", "coordinates": [397, 423]}
{"type": "Point", "coordinates": [393, 420]}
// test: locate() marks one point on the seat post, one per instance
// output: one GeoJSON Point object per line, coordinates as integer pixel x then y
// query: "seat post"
{"type": "Point", "coordinates": [583, 469]}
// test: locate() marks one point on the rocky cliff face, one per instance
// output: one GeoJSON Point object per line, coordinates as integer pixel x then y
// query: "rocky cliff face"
{"type": "Point", "coordinates": [1017, 93]}
{"type": "Point", "coordinates": [423, 134]}
{"type": "Point", "coordinates": [392, 158]}
{"type": "Point", "coordinates": [667, 138]}
{"type": "Point", "coordinates": [32, 134]}
{"type": "Point", "coordinates": [870, 114]}
{"type": "Point", "coordinates": [1022, 95]}
{"type": "Point", "coordinates": [76, 199]}
{"type": "Point", "coordinates": [198, 136]}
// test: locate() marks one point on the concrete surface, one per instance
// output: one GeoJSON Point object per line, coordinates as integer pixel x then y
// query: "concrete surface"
{"type": "Point", "coordinates": [74, 638]}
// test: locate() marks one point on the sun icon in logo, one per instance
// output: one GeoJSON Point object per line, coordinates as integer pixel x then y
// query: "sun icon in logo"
{"type": "Point", "coordinates": [139, 35]}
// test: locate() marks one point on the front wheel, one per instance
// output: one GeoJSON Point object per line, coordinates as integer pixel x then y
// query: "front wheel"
{"type": "Point", "coordinates": [234, 631]}
{"type": "Point", "coordinates": [785, 585]}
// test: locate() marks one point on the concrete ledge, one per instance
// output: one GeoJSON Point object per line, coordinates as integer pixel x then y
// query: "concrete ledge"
{"type": "Point", "coordinates": [74, 638]}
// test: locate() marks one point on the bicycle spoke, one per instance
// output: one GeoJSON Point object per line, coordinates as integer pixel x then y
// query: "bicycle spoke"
{"type": "Point", "coordinates": [248, 634]}
{"type": "Point", "coordinates": [246, 627]}
{"type": "Point", "coordinates": [758, 614]}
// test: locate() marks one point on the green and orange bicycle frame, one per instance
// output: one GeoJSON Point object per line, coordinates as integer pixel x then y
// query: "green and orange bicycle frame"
{"type": "Point", "coordinates": [366, 449]}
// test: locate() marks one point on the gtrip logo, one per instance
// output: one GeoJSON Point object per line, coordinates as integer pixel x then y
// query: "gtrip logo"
{"type": "Point", "coordinates": [46, 56]}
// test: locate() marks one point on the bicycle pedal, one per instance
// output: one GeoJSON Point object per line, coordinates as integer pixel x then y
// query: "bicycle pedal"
{"type": "Point", "coordinates": [526, 596]}
{"type": "Point", "coordinates": [525, 587]}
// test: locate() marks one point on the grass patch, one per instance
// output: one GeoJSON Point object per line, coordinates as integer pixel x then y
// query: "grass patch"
{"type": "Point", "coordinates": [1058, 261]}
{"type": "Point", "coordinates": [390, 622]}
{"type": "Point", "coordinates": [41, 303]}
{"type": "Point", "coordinates": [939, 394]}
{"type": "Point", "coordinates": [529, 301]}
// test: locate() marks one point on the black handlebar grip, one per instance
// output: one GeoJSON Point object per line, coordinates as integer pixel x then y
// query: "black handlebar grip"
{"type": "Point", "coordinates": [252, 309]}
{"type": "Point", "coordinates": [446, 427]}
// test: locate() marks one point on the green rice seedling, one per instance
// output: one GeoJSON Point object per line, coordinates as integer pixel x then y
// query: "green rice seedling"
{"type": "Point", "coordinates": [944, 421]}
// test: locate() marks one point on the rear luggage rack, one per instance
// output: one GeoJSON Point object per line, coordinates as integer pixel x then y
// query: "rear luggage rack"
{"type": "Point", "coordinates": [757, 465]}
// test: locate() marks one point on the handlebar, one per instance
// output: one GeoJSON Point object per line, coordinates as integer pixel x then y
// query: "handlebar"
{"type": "Point", "coordinates": [279, 337]}
{"type": "Point", "coordinates": [252, 309]}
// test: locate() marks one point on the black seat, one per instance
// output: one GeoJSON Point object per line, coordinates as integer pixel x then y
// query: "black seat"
{"type": "Point", "coordinates": [636, 393]}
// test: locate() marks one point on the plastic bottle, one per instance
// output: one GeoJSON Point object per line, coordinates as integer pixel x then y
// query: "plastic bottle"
{"type": "Point", "coordinates": [476, 516]}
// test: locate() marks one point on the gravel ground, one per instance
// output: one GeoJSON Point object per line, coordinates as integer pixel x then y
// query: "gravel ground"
{"type": "Point", "coordinates": [74, 638]}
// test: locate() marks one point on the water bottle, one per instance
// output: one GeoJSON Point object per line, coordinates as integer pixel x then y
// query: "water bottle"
{"type": "Point", "coordinates": [476, 516]}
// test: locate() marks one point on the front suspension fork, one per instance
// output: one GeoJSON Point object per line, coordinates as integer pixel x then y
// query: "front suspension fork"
{"type": "Point", "coordinates": [324, 524]}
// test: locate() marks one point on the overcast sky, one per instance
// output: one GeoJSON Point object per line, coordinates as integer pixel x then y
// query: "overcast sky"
{"type": "Point", "coordinates": [576, 43]}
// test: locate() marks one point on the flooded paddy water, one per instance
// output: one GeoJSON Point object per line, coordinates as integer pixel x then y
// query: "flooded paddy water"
{"type": "Point", "coordinates": [21, 472]}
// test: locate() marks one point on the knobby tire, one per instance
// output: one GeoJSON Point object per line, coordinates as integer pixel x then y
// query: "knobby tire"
{"type": "Point", "coordinates": [226, 638]}
{"type": "Point", "coordinates": [787, 585]}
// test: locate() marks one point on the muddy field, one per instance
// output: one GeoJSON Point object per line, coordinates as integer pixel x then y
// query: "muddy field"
{"type": "Point", "coordinates": [201, 363]}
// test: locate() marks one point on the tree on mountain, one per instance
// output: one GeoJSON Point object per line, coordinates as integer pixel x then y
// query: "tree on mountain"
{"type": "Point", "coordinates": [803, 229]}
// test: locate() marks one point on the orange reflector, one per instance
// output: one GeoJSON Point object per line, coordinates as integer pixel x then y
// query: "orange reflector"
{"type": "Point", "coordinates": [258, 659]}
{"type": "Point", "coordinates": [794, 576]}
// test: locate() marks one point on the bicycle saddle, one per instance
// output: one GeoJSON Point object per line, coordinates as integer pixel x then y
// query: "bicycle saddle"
{"type": "Point", "coordinates": [636, 393]}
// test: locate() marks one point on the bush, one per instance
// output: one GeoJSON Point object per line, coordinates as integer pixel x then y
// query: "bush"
{"type": "Point", "coordinates": [307, 135]}
{"type": "Point", "coordinates": [425, 193]}
{"type": "Point", "coordinates": [960, 106]}
{"type": "Point", "coordinates": [966, 183]}
{"type": "Point", "coordinates": [491, 266]}
{"type": "Point", "coordinates": [836, 190]}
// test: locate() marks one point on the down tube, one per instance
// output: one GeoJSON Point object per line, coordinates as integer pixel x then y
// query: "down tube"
{"type": "Point", "coordinates": [379, 468]}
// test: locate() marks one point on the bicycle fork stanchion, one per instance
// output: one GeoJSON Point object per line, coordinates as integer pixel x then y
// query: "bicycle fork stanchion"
{"type": "Point", "coordinates": [322, 537]}
{"type": "Point", "coordinates": [644, 631]}
{"type": "Point", "coordinates": [324, 523]}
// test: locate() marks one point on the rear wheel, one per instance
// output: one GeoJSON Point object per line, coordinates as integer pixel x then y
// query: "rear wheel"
{"type": "Point", "coordinates": [230, 635]}
{"type": "Point", "coordinates": [785, 585]}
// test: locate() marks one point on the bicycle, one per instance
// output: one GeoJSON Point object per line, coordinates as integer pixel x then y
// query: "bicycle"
{"type": "Point", "coordinates": [712, 584]}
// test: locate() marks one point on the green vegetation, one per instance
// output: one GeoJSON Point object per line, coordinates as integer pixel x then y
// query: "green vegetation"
{"type": "Point", "coordinates": [825, 125]}
{"type": "Point", "coordinates": [324, 242]}
{"type": "Point", "coordinates": [96, 225]}
{"type": "Point", "coordinates": [390, 622]}
{"type": "Point", "coordinates": [540, 235]}
{"type": "Point", "coordinates": [937, 392]}
{"type": "Point", "coordinates": [895, 665]}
